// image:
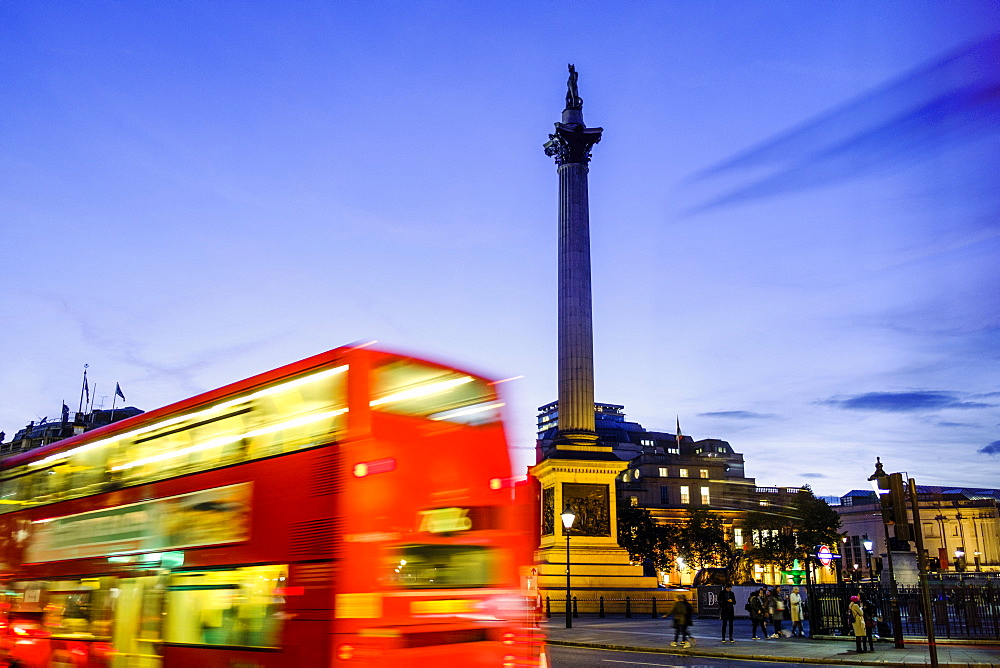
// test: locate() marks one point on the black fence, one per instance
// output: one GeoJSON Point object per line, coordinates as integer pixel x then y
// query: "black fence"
{"type": "Point", "coordinates": [959, 610]}
{"type": "Point", "coordinates": [628, 606]}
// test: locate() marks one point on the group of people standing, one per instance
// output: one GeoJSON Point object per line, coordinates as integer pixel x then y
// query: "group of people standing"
{"type": "Point", "coordinates": [764, 605]}
{"type": "Point", "coordinates": [771, 605]}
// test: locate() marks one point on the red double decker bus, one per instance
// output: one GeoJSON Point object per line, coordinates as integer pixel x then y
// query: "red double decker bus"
{"type": "Point", "coordinates": [356, 508]}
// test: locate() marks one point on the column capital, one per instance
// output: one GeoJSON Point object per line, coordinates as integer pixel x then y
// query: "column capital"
{"type": "Point", "coordinates": [572, 143]}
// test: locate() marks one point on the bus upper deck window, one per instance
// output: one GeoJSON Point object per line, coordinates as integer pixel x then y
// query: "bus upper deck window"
{"type": "Point", "coordinates": [412, 388]}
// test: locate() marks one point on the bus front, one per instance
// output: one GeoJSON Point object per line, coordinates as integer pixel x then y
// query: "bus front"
{"type": "Point", "coordinates": [436, 544]}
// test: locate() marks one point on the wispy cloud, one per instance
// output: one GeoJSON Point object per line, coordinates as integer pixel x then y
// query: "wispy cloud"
{"type": "Point", "coordinates": [739, 415]}
{"type": "Point", "coordinates": [946, 104]}
{"type": "Point", "coordinates": [895, 402]}
{"type": "Point", "coordinates": [813, 475]}
{"type": "Point", "coordinates": [991, 449]}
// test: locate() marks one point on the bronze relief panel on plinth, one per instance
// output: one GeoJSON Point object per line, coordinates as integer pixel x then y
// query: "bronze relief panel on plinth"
{"type": "Point", "coordinates": [548, 511]}
{"type": "Point", "coordinates": [591, 505]}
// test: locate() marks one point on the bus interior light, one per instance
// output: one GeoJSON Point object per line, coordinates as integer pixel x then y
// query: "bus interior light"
{"type": "Point", "coordinates": [423, 391]}
{"type": "Point", "coordinates": [283, 387]}
{"type": "Point", "coordinates": [226, 440]}
{"type": "Point", "coordinates": [466, 411]}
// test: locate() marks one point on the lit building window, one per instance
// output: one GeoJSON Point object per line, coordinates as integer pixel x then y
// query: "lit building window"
{"type": "Point", "coordinates": [646, 441]}
{"type": "Point", "coordinates": [633, 500]}
{"type": "Point", "coordinates": [673, 451]}
{"type": "Point", "coordinates": [705, 500]}
{"type": "Point", "coordinates": [683, 473]}
{"type": "Point", "coordinates": [663, 472]}
{"type": "Point", "coordinates": [738, 536]}
{"type": "Point", "coordinates": [703, 473]}
{"type": "Point", "coordinates": [763, 502]}
{"type": "Point", "coordinates": [685, 494]}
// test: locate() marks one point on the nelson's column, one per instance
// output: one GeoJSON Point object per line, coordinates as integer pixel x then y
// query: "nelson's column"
{"type": "Point", "coordinates": [578, 472]}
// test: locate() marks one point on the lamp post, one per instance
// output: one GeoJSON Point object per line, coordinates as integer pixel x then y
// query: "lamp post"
{"type": "Point", "coordinates": [568, 517]}
{"type": "Point", "coordinates": [942, 534]}
{"type": "Point", "coordinates": [868, 555]}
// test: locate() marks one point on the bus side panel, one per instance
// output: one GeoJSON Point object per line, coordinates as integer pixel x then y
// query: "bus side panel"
{"type": "Point", "coordinates": [175, 656]}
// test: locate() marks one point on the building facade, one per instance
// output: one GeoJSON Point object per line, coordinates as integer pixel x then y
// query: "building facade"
{"type": "Point", "coordinates": [960, 527]}
{"type": "Point", "coordinates": [672, 474]}
{"type": "Point", "coordinates": [35, 435]}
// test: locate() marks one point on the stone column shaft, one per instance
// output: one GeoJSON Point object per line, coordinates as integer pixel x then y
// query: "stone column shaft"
{"type": "Point", "coordinates": [576, 332]}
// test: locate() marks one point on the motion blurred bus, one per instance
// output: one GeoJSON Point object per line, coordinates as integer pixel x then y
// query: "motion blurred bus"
{"type": "Point", "coordinates": [356, 508]}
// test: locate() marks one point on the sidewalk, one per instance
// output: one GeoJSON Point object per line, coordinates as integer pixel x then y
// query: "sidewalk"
{"type": "Point", "coordinates": [655, 635]}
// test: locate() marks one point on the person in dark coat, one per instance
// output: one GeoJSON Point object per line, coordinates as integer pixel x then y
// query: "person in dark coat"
{"type": "Point", "coordinates": [755, 606]}
{"type": "Point", "coordinates": [727, 611]}
{"type": "Point", "coordinates": [682, 619]}
{"type": "Point", "coordinates": [868, 608]}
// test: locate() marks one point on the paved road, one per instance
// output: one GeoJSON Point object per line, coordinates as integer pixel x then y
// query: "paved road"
{"type": "Point", "coordinates": [579, 657]}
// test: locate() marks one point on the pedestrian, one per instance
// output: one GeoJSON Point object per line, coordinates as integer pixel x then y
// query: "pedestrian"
{"type": "Point", "coordinates": [776, 608]}
{"type": "Point", "coordinates": [857, 623]}
{"type": "Point", "coordinates": [755, 606]}
{"type": "Point", "coordinates": [795, 609]}
{"type": "Point", "coordinates": [727, 611]}
{"type": "Point", "coordinates": [682, 619]}
{"type": "Point", "coordinates": [868, 609]}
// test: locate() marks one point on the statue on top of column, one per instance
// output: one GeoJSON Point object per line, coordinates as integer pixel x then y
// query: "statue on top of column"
{"type": "Point", "coordinates": [573, 99]}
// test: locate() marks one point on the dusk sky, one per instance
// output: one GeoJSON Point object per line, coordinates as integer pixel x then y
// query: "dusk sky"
{"type": "Point", "coordinates": [795, 211]}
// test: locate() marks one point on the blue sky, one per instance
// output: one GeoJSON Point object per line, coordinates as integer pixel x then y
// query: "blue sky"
{"type": "Point", "coordinates": [794, 210]}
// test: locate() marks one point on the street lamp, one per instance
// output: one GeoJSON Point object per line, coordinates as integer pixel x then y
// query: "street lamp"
{"type": "Point", "coordinates": [868, 549]}
{"type": "Point", "coordinates": [568, 517]}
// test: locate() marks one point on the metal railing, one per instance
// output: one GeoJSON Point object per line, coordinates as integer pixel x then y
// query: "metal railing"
{"type": "Point", "coordinates": [963, 611]}
{"type": "Point", "coordinates": [628, 606]}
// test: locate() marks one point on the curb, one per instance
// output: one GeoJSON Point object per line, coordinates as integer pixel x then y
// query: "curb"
{"type": "Point", "coordinates": [756, 657]}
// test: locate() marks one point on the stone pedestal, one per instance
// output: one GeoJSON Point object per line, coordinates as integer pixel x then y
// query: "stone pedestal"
{"type": "Point", "coordinates": [584, 482]}
{"type": "Point", "coordinates": [904, 568]}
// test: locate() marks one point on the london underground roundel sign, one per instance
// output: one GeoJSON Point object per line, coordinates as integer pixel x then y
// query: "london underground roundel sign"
{"type": "Point", "coordinates": [824, 555]}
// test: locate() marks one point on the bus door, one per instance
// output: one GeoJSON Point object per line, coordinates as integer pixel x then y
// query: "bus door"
{"type": "Point", "coordinates": [138, 618]}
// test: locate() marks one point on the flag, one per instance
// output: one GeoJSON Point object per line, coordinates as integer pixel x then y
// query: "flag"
{"type": "Point", "coordinates": [118, 391]}
{"type": "Point", "coordinates": [678, 431]}
{"type": "Point", "coordinates": [86, 387]}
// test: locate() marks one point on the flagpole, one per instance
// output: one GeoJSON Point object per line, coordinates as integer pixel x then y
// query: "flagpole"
{"type": "Point", "coordinates": [83, 387]}
{"type": "Point", "coordinates": [114, 399]}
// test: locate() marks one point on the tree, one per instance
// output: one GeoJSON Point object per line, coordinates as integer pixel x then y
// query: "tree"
{"type": "Point", "coordinates": [645, 540]}
{"type": "Point", "coordinates": [819, 524]}
{"type": "Point", "coordinates": [779, 538]}
{"type": "Point", "coordinates": [701, 540]}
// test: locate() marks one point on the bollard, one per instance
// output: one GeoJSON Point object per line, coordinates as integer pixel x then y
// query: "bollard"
{"type": "Point", "coordinates": [628, 608]}
{"type": "Point", "coordinates": [548, 608]}
{"type": "Point", "coordinates": [575, 612]}
{"type": "Point", "coordinates": [654, 615]}
{"type": "Point", "coordinates": [601, 613]}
